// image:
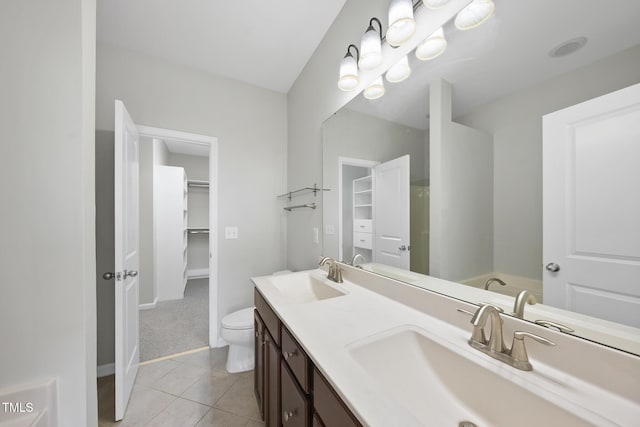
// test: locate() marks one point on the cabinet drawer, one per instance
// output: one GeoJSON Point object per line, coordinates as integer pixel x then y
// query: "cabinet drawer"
{"type": "Point", "coordinates": [295, 405]}
{"type": "Point", "coordinates": [329, 406]}
{"type": "Point", "coordinates": [271, 321]}
{"type": "Point", "coordinates": [362, 240]}
{"type": "Point", "coordinates": [297, 359]}
{"type": "Point", "coordinates": [363, 225]}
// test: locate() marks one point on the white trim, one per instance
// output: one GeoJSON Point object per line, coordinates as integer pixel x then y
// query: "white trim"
{"type": "Point", "coordinates": [149, 305]}
{"type": "Point", "coordinates": [106, 370]}
{"type": "Point", "coordinates": [347, 161]}
{"type": "Point", "coordinates": [193, 138]}
{"type": "Point", "coordinates": [214, 321]}
{"type": "Point", "coordinates": [176, 135]}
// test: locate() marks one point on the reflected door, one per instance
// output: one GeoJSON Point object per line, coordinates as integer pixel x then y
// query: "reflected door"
{"type": "Point", "coordinates": [391, 217]}
{"type": "Point", "coordinates": [591, 211]}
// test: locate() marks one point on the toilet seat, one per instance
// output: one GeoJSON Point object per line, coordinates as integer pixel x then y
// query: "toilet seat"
{"type": "Point", "coordinates": [239, 320]}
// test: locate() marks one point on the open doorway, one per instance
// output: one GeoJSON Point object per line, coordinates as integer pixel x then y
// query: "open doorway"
{"type": "Point", "coordinates": [177, 239]}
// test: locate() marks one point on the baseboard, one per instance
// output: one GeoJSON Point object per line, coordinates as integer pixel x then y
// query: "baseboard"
{"type": "Point", "coordinates": [148, 306]}
{"type": "Point", "coordinates": [105, 370]}
{"type": "Point", "coordinates": [221, 343]}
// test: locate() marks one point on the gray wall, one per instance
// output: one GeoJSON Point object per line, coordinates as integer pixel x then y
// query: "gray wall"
{"type": "Point", "coordinates": [250, 124]}
{"type": "Point", "coordinates": [313, 98]}
{"type": "Point", "coordinates": [461, 193]}
{"type": "Point", "coordinates": [47, 249]}
{"type": "Point", "coordinates": [516, 123]}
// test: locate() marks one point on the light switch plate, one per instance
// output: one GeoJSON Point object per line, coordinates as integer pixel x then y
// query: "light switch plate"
{"type": "Point", "coordinates": [231, 232]}
{"type": "Point", "coordinates": [315, 235]}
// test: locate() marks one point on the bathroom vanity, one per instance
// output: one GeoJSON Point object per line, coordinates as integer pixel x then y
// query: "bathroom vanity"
{"type": "Point", "coordinates": [372, 351]}
{"type": "Point", "coordinates": [289, 389]}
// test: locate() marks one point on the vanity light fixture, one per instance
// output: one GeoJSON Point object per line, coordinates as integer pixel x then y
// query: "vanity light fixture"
{"type": "Point", "coordinates": [349, 70]}
{"type": "Point", "coordinates": [473, 15]}
{"type": "Point", "coordinates": [402, 26]}
{"type": "Point", "coordinates": [432, 47]}
{"type": "Point", "coordinates": [375, 90]}
{"type": "Point", "coordinates": [371, 47]}
{"type": "Point", "coordinates": [435, 4]}
{"type": "Point", "coordinates": [399, 71]}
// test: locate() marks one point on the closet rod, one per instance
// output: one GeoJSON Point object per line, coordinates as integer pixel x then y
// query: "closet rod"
{"type": "Point", "coordinates": [198, 231]}
{"type": "Point", "coordinates": [308, 205]}
{"type": "Point", "coordinates": [200, 184]}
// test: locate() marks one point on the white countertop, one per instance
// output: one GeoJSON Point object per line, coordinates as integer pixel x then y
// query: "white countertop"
{"type": "Point", "coordinates": [327, 328]}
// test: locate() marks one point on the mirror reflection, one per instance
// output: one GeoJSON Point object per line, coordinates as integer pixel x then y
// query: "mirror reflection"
{"type": "Point", "coordinates": [454, 173]}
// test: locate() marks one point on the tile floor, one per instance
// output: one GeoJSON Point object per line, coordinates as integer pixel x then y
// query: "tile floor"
{"type": "Point", "coordinates": [189, 390]}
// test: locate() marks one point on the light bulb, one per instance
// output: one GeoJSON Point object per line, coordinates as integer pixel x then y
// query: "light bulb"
{"type": "Point", "coordinates": [402, 26]}
{"type": "Point", "coordinates": [348, 73]}
{"type": "Point", "coordinates": [399, 71]}
{"type": "Point", "coordinates": [370, 50]}
{"type": "Point", "coordinates": [476, 13]}
{"type": "Point", "coordinates": [432, 47]}
{"type": "Point", "coordinates": [435, 4]}
{"type": "Point", "coordinates": [375, 90]}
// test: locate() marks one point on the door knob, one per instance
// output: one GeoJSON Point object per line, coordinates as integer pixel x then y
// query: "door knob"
{"type": "Point", "coordinates": [552, 267]}
{"type": "Point", "coordinates": [108, 275]}
{"type": "Point", "coordinates": [402, 248]}
{"type": "Point", "coordinates": [132, 273]}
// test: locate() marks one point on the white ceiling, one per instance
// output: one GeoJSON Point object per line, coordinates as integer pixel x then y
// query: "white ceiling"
{"type": "Point", "coordinates": [263, 43]}
{"type": "Point", "coordinates": [507, 53]}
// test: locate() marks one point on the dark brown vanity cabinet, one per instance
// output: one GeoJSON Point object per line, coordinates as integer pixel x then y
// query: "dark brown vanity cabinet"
{"type": "Point", "coordinates": [267, 364]}
{"type": "Point", "coordinates": [289, 390]}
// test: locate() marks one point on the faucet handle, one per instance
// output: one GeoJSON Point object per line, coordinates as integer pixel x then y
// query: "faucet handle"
{"type": "Point", "coordinates": [519, 352]}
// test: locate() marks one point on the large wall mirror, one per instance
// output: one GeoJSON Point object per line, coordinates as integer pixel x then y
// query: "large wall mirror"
{"type": "Point", "coordinates": [444, 177]}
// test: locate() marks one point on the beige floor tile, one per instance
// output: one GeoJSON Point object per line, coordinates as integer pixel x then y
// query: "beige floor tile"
{"type": "Point", "coordinates": [144, 405]}
{"type": "Point", "coordinates": [209, 389]}
{"type": "Point", "coordinates": [254, 423]}
{"type": "Point", "coordinates": [180, 413]}
{"type": "Point", "coordinates": [148, 374]}
{"type": "Point", "coordinates": [214, 359]}
{"type": "Point", "coordinates": [240, 399]}
{"type": "Point", "coordinates": [217, 418]}
{"type": "Point", "coordinates": [180, 379]}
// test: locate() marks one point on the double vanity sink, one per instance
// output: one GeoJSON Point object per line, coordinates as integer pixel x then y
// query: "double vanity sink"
{"type": "Point", "coordinates": [393, 364]}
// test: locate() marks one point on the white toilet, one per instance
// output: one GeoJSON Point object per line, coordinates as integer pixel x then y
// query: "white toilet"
{"type": "Point", "coordinates": [238, 330]}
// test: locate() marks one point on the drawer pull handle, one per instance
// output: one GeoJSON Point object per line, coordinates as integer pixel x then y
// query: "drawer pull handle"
{"type": "Point", "coordinates": [287, 415]}
{"type": "Point", "coordinates": [290, 354]}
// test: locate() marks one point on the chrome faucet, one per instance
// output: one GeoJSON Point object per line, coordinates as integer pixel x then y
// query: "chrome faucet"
{"type": "Point", "coordinates": [494, 346]}
{"type": "Point", "coordinates": [335, 272]}
{"type": "Point", "coordinates": [479, 320]}
{"type": "Point", "coordinates": [355, 257]}
{"type": "Point", "coordinates": [494, 279]}
{"type": "Point", "coordinates": [523, 297]}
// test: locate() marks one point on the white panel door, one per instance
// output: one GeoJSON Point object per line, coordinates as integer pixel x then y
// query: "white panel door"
{"type": "Point", "coordinates": [391, 218]}
{"type": "Point", "coordinates": [591, 212]}
{"type": "Point", "coordinates": [126, 256]}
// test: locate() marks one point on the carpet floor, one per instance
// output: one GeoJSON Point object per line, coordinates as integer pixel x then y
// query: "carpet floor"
{"type": "Point", "coordinates": [176, 326]}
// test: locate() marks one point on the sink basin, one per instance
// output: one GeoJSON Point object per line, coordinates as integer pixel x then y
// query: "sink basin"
{"type": "Point", "coordinates": [441, 387]}
{"type": "Point", "coordinates": [303, 287]}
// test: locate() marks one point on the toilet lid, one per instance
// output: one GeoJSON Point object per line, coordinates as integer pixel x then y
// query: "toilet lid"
{"type": "Point", "coordinates": [241, 319]}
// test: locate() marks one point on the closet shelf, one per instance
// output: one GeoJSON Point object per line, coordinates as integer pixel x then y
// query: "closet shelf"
{"type": "Point", "coordinates": [308, 205]}
{"type": "Point", "coordinates": [303, 191]}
